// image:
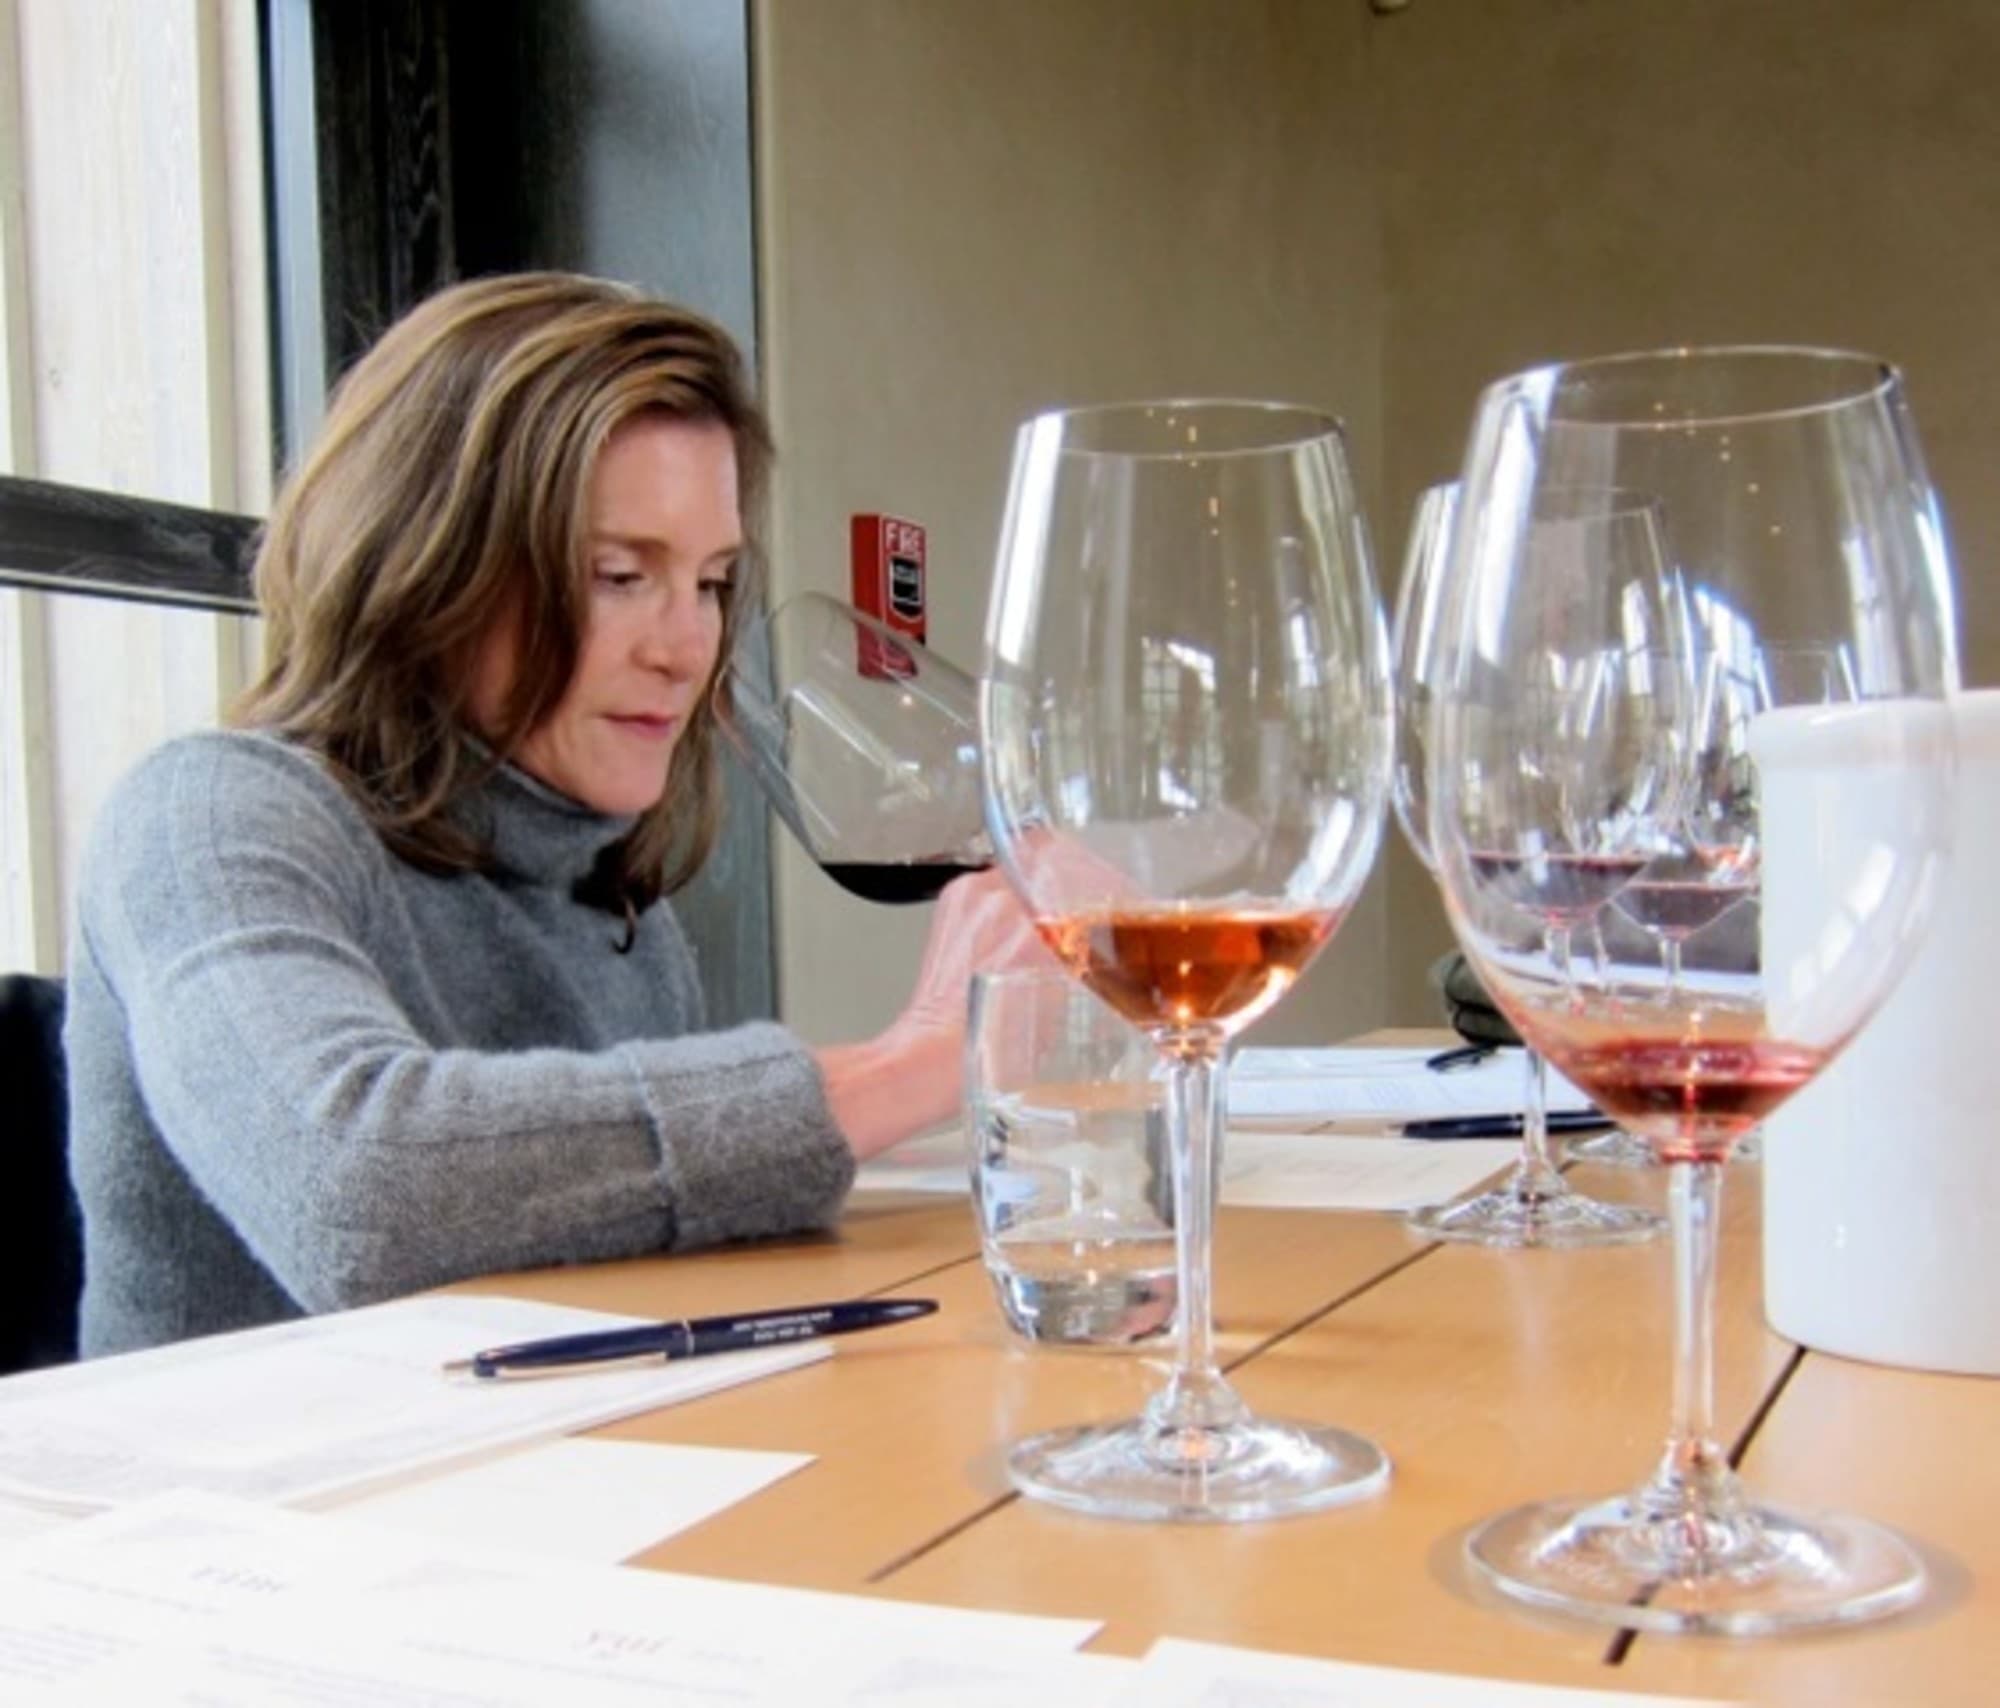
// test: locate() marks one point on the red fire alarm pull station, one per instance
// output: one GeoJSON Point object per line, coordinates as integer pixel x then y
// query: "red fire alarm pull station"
{"type": "Point", "coordinates": [887, 556]}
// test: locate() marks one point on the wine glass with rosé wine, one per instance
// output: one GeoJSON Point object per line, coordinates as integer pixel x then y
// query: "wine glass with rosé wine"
{"type": "Point", "coordinates": [1186, 722]}
{"type": "Point", "coordinates": [866, 744]}
{"type": "Point", "coordinates": [1796, 512]}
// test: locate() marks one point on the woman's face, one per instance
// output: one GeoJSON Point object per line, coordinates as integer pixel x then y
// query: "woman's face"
{"type": "Point", "coordinates": [664, 539]}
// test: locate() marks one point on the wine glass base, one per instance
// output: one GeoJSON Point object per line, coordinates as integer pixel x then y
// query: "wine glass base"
{"type": "Point", "coordinates": [1508, 1216]}
{"type": "Point", "coordinates": [1780, 1571]}
{"type": "Point", "coordinates": [1260, 1468]}
{"type": "Point", "coordinates": [1620, 1149]}
{"type": "Point", "coordinates": [1617, 1149]}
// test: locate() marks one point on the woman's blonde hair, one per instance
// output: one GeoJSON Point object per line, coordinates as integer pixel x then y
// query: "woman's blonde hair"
{"type": "Point", "coordinates": [449, 490]}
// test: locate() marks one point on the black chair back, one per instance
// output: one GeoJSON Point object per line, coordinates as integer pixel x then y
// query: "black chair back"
{"type": "Point", "coordinates": [41, 1228]}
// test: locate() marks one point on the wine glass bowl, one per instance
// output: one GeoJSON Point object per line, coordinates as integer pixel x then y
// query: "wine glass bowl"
{"type": "Point", "coordinates": [1793, 503]}
{"type": "Point", "coordinates": [1681, 889]}
{"type": "Point", "coordinates": [1413, 641]}
{"type": "Point", "coordinates": [1185, 716]}
{"type": "Point", "coordinates": [865, 743]}
{"type": "Point", "coordinates": [1576, 704]}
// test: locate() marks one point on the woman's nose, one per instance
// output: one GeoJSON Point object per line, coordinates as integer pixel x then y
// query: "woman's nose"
{"type": "Point", "coordinates": [676, 639]}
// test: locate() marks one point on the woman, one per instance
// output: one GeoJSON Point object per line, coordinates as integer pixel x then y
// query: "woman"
{"type": "Point", "coordinates": [377, 989]}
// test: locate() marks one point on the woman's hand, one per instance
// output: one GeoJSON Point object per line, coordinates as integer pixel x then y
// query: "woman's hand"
{"type": "Point", "coordinates": [912, 1076]}
{"type": "Point", "coordinates": [980, 926]}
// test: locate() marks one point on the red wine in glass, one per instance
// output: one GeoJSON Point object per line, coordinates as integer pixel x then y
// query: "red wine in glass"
{"type": "Point", "coordinates": [867, 747]}
{"type": "Point", "coordinates": [897, 881]}
{"type": "Point", "coordinates": [1678, 907]}
{"type": "Point", "coordinates": [1562, 888]}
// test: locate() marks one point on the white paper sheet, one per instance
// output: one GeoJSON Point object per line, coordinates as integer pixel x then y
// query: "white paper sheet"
{"type": "Point", "coordinates": [1380, 1086]}
{"type": "Point", "coordinates": [74, 1603]}
{"type": "Point", "coordinates": [328, 1403]}
{"type": "Point", "coordinates": [985, 1678]}
{"type": "Point", "coordinates": [1371, 1089]}
{"type": "Point", "coordinates": [288, 1666]}
{"type": "Point", "coordinates": [1321, 1171]}
{"type": "Point", "coordinates": [592, 1501]}
{"type": "Point", "coordinates": [318, 1668]}
{"type": "Point", "coordinates": [1319, 1061]}
{"type": "Point", "coordinates": [938, 1161]}
{"type": "Point", "coordinates": [1176, 1674]}
{"type": "Point", "coordinates": [1265, 1168]}
{"type": "Point", "coordinates": [664, 1630]}
{"type": "Point", "coordinates": [19, 1520]}
{"type": "Point", "coordinates": [194, 1598]}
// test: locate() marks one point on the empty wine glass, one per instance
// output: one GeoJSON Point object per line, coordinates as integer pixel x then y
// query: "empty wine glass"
{"type": "Point", "coordinates": [1534, 1205]}
{"type": "Point", "coordinates": [1186, 724]}
{"type": "Point", "coordinates": [866, 745]}
{"type": "Point", "coordinates": [1794, 503]}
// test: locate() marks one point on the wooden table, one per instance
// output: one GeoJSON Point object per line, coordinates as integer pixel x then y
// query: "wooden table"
{"type": "Point", "coordinates": [1491, 1378]}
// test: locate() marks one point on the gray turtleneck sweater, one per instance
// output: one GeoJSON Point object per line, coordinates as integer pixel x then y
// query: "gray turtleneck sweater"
{"type": "Point", "coordinates": [305, 1075]}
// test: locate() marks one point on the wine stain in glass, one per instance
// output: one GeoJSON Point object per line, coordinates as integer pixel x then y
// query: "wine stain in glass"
{"type": "Point", "coordinates": [1693, 1097]}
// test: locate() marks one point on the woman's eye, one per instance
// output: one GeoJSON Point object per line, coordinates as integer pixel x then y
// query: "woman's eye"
{"type": "Point", "coordinates": [617, 580]}
{"type": "Point", "coordinates": [717, 587]}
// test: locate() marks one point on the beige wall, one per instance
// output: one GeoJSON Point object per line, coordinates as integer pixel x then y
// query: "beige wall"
{"type": "Point", "coordinates": [971, 211]}
{"type": "Point", "coordinates": [1562, 177]}
{"type": "Point", "coordinates": [974, 209]}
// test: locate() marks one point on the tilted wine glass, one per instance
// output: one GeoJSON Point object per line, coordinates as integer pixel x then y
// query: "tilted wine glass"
{"type": "Point", "coordinates": [1795, 505]}
{"type": "Point", "coordinates": [866, 745]}
{"type": "Point", "coordinates": [1534, 1205]}
{"type": "Point", "coordinates": [1186, 724]}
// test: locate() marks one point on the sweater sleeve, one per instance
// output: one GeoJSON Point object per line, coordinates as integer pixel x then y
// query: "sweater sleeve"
{"type": "Point", "coordinates": [223, 899]}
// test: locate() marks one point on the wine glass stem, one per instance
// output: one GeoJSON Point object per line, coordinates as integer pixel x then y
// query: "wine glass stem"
{"type": "Point", "coordinates": [1670, 957]}
{"type": "Point", "coordinates": [1694, 1482]}
{"type": "Point", "coordinates": [1535, 1174]}
{"type": "Point", "coordinates": [1559, 955]}
{"type": "Point", "coordinates": [1599, 960]}
{"type": "Point", "coordinates": [1197, 1397]}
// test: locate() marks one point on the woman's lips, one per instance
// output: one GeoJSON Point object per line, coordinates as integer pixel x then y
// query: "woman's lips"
{"type": "Point", "coordinates": [645, 724]}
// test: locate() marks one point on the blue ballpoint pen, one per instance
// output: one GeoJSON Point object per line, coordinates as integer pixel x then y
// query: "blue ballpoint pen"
{"type": "Point", "coordinates": [1560, 1121]}
{"type": "Point", "coordinates": [1463, 1055]}
{"type": "Point", "coordinates": [691, 1337]}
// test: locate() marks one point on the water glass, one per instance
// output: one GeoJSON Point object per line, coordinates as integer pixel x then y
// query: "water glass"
{"type": "Point", "coordinates": [1070, 1178]}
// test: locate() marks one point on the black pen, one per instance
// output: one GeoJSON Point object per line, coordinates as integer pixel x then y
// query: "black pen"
{"type": "Point", "coordinates": [691, 1337]}
{"type": "Point", "coordinates": [1506, 1126]}
{"type": "Point", "coordinates": [1465, 1055]}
